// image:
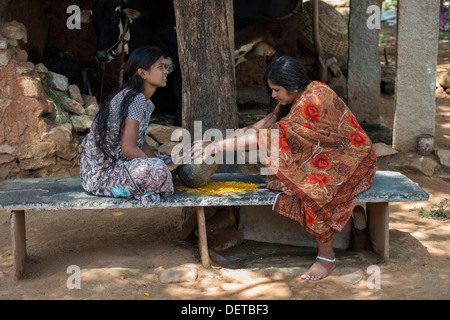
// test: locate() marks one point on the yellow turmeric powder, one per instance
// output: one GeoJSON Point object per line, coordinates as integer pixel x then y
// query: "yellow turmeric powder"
{"type": "Point", "coordinates": [220, 187]}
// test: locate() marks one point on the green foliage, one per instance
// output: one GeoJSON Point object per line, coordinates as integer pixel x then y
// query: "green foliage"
{"type": "Point", "coordinates": [438, 213]}
{"type": "Point", "coordinates": [444, 34]}
{"type": "Point", "coordinates": [389, 4]}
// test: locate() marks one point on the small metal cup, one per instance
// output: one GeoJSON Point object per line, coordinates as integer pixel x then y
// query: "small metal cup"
{"type": "Point", "coordinates": [425, 145]}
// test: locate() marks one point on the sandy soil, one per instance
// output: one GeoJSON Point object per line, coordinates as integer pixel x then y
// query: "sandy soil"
{"type": "Point", "coordinates": [123, 255]}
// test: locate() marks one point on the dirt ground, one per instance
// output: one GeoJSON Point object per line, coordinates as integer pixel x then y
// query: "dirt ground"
{"type": "Point", "coordinates": [124, 255]}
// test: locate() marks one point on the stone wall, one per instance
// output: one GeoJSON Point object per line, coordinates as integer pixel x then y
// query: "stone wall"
{"type": "Point", "coordinates": [34, 140]}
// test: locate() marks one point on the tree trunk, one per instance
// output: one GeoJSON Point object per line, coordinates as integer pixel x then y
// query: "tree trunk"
{"type": "Point", "coordinates": [205, 47]}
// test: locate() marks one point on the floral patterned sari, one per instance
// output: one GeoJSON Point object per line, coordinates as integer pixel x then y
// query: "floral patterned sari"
{"type": "Point", "coordinates": [325, 159]}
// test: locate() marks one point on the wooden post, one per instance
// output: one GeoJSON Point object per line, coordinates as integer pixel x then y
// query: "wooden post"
{"type": "Point", "coordinates": [18, 240]}
{"type": "Point", "coordinates": [205, 47]}
{"type": "Point", "coordinates": [202, 240]}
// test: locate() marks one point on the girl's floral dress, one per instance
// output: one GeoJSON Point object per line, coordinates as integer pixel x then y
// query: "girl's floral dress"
{"type": "Point", "coordinates": [145, 179]}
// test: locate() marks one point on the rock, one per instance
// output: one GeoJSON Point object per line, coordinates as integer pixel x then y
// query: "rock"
{"type": "Point", "coordinates": [71, 105]}
{"type": "Point", "coordinates": [388, 74]}
{"type": "Point", "coordinates": [6, 148]}
{"type": "Point", "coordinates": [90, 104]}
{"type": "Point", "coordinates": [14, 30]}
{"type": "Point", "coordinates": [62, 138]}
{"type": "Point", "coordinates": [225, 238]}
{"type": "Point", "coordinates": [3, 43]}
{"type": "Point", "coordinates": [41, 68]}
{"type": "Point", "coordinates": [5, 56]}
{"type": "Point", "coordinates": [4, 103]}
{"type": "Point", "coordinates": [166, 148]}
{"type": "Point", "coordinates": [189, 224]}
{"type": "Point", "coordinates": [388, 88]}
{"type": "Point", "coordinates": [37, 163]}
{"type": "Point", "coordinates": [337, 3]}
{"type": "Point", "coordinates": [81, 123]}
{"type": "Point", "coordinates": [424, 164]}
{"type": "Point", "coordinates": [445, 176]}
{"type": "Point", "coordinates": [20, 55]}
{"type": "Point", "coordinates": [352, 278]}
{"type": "Point", "coordinates": [38, 149]}
{"type": "Point", "coordinates": [152, 143]}
{"type": "Point", "coordinates": [439, 91]}
{"type": "Point", "coordinates": [383, 150]}
{"type": "Point", "coordinates": [6, 158]}
{"type": "Point", "coordinates": [185, 273]}
{"type": "Point", "coordinates": [223, 218]}
{"type": "Point", "coordinates": [76, 94]}
{"type": "Point", "coordinates": [444, 156]}
{"type": "Point", "coordinates": [444, 79]}
{"type": "Point", "coordinates": [58, 81]}
{"type": "Point", "coordinates": [30, 87]}
{"type": "Point", "coordinates": [25, 67]}
{"type": "Point", "coordinates": [161, 133]}
{"type": "Point", "coordinates": [333, 66]}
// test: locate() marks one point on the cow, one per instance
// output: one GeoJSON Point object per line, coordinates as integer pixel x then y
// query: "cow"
{"type": "Point", "coordinates": [150, 23]}
{"type": "Point", "coordinates": [262, 28]}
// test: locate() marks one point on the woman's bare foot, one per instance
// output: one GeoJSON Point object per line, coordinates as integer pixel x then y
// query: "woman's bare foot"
{"type": "Point", "coordinates": [320, 269]}
{"type": "Point", "coordinates": [324, 265]}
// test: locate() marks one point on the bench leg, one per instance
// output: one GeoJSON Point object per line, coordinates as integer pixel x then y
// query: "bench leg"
{"type": "Point", "coordinates": [18, 239]}
{"type": "Point", "coordinates": [378, 218]}
{"type": "Point", "coordinates": [203, 244]}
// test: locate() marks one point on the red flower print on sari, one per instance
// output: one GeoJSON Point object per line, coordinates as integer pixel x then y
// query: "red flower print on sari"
{"type": "Point", "coordinates": [311, 112]}
{"type": "Point", "coordinates": [354, 123]}
{"type": "Point", "coordinates": [321, 163]}
{"type": "Point", "coordinates": [309, 218]}
{"type": "Point", "coordinates": [307, 126]}
{"type": "Point", "coordinates": [282, 143]}
{"type": "Point", "coordinates": [318, 178]}
{"type": "Point", "coordinates": [357, 139]}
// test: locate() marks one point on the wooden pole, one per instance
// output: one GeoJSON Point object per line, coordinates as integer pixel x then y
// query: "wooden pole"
{"type": "Point", "coordinates": [202, 240]}
{"type": "Point", "coordinates": [318, 47]}
{"type": "Point", "coordinates": [205, 48]}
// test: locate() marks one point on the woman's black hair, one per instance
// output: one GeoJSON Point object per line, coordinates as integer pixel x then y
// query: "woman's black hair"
{"type": "Point", "coordinates": [288, 73]}
{"type": "Point", "coordinates": [141, 58]}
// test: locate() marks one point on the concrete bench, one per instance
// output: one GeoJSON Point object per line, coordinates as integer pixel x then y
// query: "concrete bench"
{"type": "Point", "coordinates": [17, 196]}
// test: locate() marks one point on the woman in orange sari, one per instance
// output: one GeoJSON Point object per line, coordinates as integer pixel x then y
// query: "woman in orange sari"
{"type": "Point", "coordinates": [324, 158]}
